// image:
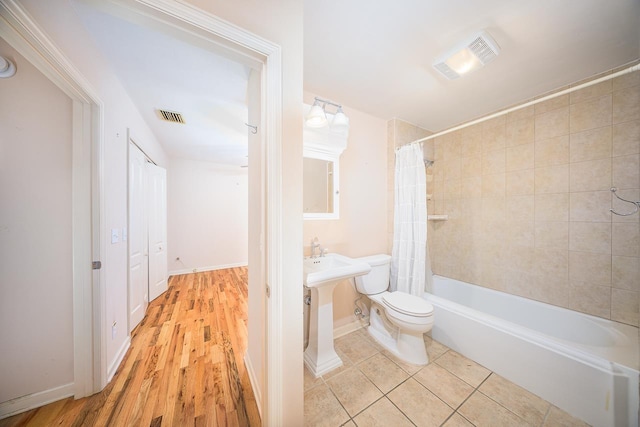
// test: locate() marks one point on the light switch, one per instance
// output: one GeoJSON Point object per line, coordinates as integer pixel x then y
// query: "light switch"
{"type": "Point", "coordinates": [115, 235]}
{"type": "Point", "coordinates": [124, 234]}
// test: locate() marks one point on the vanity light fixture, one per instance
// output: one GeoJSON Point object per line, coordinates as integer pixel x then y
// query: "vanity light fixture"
{"type": "Point", "coordinates": [473, 53]}
{"type": "Point", "coordinates": [317, 117]}
{"type": "Point", "coordinates": [7, 68]}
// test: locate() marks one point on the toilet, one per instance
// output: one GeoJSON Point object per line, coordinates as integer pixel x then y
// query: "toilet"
{"type": "Point", "coordinates": [398, 320]}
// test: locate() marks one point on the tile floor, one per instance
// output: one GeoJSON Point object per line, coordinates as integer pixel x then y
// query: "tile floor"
{"type": "Point", "coordinates": [374, 388]}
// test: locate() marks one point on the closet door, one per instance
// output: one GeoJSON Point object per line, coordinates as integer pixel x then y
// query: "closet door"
{"type": "Point", "coordinates": [138, 241]}
{"type": "Point", "coordinates": [157, 208]}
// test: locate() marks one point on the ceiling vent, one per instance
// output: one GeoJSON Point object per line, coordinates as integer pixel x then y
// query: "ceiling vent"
{"type": "Point", "coordinates": [171, 116]}
{"type": "Point", "coordinates": [474, 53]}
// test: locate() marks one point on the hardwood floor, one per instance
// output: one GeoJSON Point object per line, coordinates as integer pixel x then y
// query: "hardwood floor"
{"type": "Point", "coordinates": [185, 365]}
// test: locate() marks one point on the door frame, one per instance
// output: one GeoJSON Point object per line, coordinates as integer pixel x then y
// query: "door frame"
{"type": "Point", "coordinates": [89, 229]}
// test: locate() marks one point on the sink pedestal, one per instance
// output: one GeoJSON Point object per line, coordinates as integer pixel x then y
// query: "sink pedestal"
{"type": "Point", "coordinates": [320, 356]}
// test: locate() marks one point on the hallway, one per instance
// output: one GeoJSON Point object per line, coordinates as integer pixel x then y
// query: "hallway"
{"type": "Point", "coordinates": [185, 365]}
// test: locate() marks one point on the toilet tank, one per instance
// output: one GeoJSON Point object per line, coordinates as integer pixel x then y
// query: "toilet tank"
{"type": "Point", "coordinates": [377, 280]}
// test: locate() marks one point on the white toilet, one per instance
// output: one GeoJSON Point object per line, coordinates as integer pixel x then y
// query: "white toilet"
{"type": "Point", "coordinates": [398, 320]}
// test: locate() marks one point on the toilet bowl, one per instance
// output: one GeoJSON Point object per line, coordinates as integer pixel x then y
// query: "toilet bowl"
{"type": "Point", "coordinates": [398, 320]}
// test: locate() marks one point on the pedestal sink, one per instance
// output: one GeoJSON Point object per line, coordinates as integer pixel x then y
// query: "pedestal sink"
{"type": "Point", "coordinates": [321, 275]}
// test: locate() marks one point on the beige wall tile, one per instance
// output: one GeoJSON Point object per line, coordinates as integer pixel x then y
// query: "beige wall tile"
{"type": "Point", "coordinates": [520, 131]}
{"type": "Point", "coordinates": [589, 268]}
{"type": "Point", "coordinates": [520, 183]}
{"type": "Point", "coordinates": [552, 151]}
{"type": "Point", "coordinates": [493, 185]}
{"type": "Point", "coordinates": [591, 145]}
{"type": "Point", "coordinates": [552, 234]}
{"type": "Point", "coordinates": [493, 137]}
{"type": "Point", "coordinates": [626, 239]}
{"type": "Point", "coordinates": [590, 237]}
{"type": "Point", "coordinates": [520, 232]}
{"type": "Point", "coordinates": [551, 124]}
{"type": "Point", "coordinates": [551, 289]}
{"type": "Point", "coordinates": [624, 306]}
{"type": "Point", "coordinates": [591, 114]}
{"type": "Point", "coordinates": [594, 300]}
{"type": "Point", "coordinates": [552, 207]}
{"type": "Point", "coordinates": [452, 189]}
{"type": "Point", "coordinates": [626, 171]}
{"type": "Point", "coordinates": [518, 282]}
{"type": "Point", "coordinates": [522, 113]}
{"type": "Point", "coordinates": [552, 104]}
{"type": "Point", "coordinates": [626, 80]}
{"type": "Point", "coordinates": [590, 92]}
{"type": "Point", "coordinates": [493, 161]}
{"type": "Point", "coordinates": [626, 273]}
{"type": "Point", "coordinates": [552, 264]}
{"type": "Point", "coordinates": [520, 207]}
{"type": "Point", "coordinates": [626, 104]}
{"type": "Point", "coordinates": [471, 188]}
{"type": "Point", "coordinates": [592, 175]}
{"type": "Point", "coordinates": [590, 206]}
{"type": "Point", "coordinates": [552, 179]}
{"type": "Point", "coordinates": [520, 258]}
{"type": "Point", "coordinates": [471, 140]}
{"type": "Point", "coordinates": [626, 138]}
{"type": "Point", "coordinates": [520, 157]}
{"type": "Point", "coordinates": [452, 168]}
{"type": "Point", "coordinates": [471, 166]}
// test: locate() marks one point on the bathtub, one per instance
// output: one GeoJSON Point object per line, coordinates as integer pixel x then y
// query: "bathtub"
{"type": "Point", "coordinates": [583, 364]}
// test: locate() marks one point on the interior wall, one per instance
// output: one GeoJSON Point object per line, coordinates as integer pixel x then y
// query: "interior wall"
{"type": "Point", "coordinates": [528, 200]}
{"type": "Point", "coordinates": [361, 228]}
{"type": "Point", "coordinates": [36, 286]}
{"type": "Point", "coordinates": [281, 22]}
{"type": "Point", "coordinates": [207, 216]}
{"type": "Point", "coordinates": [59, 21]}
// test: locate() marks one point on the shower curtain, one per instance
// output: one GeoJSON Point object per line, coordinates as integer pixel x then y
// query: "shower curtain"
{"type": "Point", "coordinates": [409, 264]}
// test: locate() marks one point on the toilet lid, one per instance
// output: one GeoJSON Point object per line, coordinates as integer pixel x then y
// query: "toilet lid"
{"type": "Point", "coordinates": [408, 304]}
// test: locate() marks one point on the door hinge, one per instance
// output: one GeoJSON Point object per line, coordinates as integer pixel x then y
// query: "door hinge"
{"type": "Point", "coordinates": [96, 265]}
{"type": "Point", "coordinates": [268, 291]}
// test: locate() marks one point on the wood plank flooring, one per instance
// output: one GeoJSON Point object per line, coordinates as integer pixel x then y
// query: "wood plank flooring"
{"type": "Point", "coordinates": [185, 365]}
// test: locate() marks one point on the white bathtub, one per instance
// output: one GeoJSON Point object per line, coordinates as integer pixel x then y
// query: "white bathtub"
{"type": "Point", "coordinates": [583, 364]}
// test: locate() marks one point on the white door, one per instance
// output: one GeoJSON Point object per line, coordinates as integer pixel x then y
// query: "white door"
{"type": "Point", "coordinates": [138, 240]}
{"type": "Point", "coordinates": [157, 214]}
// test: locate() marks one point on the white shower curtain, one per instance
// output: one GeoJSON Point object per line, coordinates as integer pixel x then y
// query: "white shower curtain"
{"type": "Point", "coordinates": [409, 264]}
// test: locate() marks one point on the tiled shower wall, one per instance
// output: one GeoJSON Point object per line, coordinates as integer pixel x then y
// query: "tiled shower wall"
{"type": "Point", "coordinates": [527, 195]}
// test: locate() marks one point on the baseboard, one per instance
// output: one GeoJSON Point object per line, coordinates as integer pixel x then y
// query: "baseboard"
{"type": "Point", "coordinates": [210, 268]}
{"type": "Point", "coordinates": [118, 359]}
{"type": "Point", "coordinates": [257, 391]}
{"type": "Point", "coordinates": [348, 328]}
{"type": "Point", "coordinates": [35, 400]}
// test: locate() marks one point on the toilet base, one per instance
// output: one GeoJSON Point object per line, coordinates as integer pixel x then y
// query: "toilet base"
{"type": "Point", "coordinates": [406, 345]}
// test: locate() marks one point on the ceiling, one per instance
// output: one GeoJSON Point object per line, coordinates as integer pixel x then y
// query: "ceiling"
{"type": "Point", "coordinates": [375, 57]}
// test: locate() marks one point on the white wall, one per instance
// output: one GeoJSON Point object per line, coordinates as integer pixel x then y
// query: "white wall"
{"type": "Point", "coordinates": [59, 21]}
{"type": "Point", "coordinates": [35, 233]}
{"type": "Point", "coordinates": [207, 216]}
{"type": "Point", "coordinates": [362, 227]}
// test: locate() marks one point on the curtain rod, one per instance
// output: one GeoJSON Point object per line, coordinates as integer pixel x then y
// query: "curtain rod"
{"type": "Point", "coordinates": [527, 104]}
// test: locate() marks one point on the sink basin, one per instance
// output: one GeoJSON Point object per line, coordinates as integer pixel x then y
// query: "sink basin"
{"type": "Point", "coordinates": [330, 268]}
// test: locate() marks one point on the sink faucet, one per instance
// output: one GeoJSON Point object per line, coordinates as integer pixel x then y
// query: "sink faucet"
{"type": "Point", "coordinates": [314, 245]}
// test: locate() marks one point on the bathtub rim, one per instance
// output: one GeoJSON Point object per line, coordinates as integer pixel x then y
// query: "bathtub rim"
{"type": "Point", "coordinates": [577, 351]}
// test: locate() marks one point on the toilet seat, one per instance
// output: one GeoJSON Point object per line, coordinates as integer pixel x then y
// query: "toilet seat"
{"type": "Point", "coordinates": [407, 304]}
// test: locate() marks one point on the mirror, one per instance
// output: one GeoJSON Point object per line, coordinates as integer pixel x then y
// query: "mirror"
{"type": "Point", "coordinates": [320, 188]}
{"type": "Point", "coordinates": [321, 184]}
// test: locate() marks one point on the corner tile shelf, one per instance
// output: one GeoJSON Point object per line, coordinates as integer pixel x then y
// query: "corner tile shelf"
{"type": "Point", "coordinates": [437, 217]}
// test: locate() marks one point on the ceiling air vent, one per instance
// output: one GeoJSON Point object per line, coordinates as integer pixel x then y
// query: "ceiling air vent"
{"type": "Point", "coordinates": [171, 116]}
{"type": "Point", "coordinates": [475, 52]}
